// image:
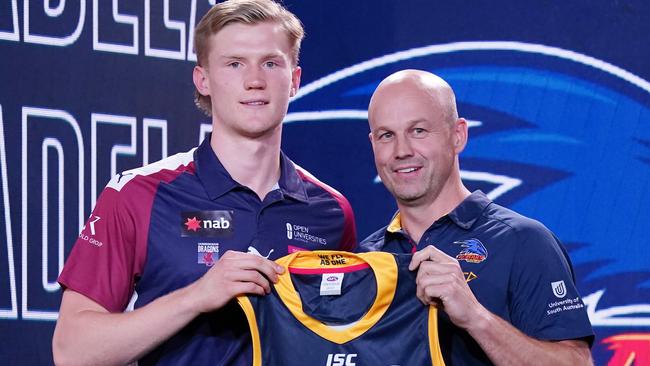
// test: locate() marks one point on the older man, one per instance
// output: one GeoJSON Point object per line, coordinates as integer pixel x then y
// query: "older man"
{"type": "Point", "coordinates": [504, 281]}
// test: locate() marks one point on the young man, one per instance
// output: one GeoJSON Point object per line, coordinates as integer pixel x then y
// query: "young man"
{"type": "Point", "coordinates": [503, 280]}
{"type": "Point", "coordinates": [172, 236]}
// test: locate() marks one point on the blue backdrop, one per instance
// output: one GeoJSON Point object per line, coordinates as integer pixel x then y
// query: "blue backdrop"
{"type": "Point", "coordinates": [557, 95]}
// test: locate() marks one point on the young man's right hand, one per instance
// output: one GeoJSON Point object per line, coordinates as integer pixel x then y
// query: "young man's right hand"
{"type": "Point", "coordinates": [235, 273]}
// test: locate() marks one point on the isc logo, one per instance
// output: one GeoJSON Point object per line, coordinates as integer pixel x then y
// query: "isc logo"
{"type": "Point", "coordinates": [341, 359]}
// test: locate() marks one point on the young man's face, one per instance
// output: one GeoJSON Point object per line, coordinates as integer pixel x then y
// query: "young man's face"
{"type": "Point", "coordinates": [249, 77]}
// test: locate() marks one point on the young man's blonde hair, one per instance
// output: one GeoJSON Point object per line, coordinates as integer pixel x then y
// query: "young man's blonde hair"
{"type": "Point", "coordinates": [246, 12]}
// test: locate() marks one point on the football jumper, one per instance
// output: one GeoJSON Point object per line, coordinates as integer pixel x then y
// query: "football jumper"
{"type": "Point", "coordinates": [159, 228]}
{"type": "Point", "coordinates": [376, 320]}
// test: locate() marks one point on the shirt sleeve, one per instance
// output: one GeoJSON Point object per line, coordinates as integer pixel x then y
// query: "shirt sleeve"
{"type": "Point", "coordinates": [108, 254]}
{"type": "Point", "coordinates": [349, 238]}
{"type": "Point", "coordinates": [545, 303]}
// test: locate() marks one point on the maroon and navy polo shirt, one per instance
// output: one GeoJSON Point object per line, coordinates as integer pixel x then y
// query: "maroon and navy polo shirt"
{"type": "Point", "coordinates": [159, 228]}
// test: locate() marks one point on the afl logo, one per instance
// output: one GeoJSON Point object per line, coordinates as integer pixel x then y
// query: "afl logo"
{"type": "Point", "coordinates": [559, 289]}
{"type": "Point", "coordinates": [332, 278]}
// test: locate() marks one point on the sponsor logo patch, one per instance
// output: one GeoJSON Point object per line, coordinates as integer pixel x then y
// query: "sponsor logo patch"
{"type": "Point", "coordinates": [252, 250]}
{"type": "Point", "coordinates": [470, 276]}
{"type": "Point", "coordinates": [473, 251]}
{"type": "Point", "coordinates": [559, 289]}
{"type": "Point", "coordinates": [207, 253]}
{"type": "Point", "coordinates": [301, 233]}
{"type": "Point", "coordinates": [293, 249]}
{"type": "Point", "coordinates": [90, 224]}
{"type": "Point", "coordinates": [564, 305]}
{"type": "Point", "coordinates": [331, 284]}
{"type": "Point", "coordinates": [341, 359]}
{"type": "Point", "coordinates": [217, 223]}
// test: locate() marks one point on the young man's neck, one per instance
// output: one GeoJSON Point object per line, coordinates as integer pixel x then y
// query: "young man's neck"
{"type": "Point", "coordinates": [416, 219]}
{"type": "Point", "coordinates": [252, 162]}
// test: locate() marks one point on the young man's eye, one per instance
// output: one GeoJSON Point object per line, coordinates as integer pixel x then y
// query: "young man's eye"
{"type": "Point", "coordinates": [234, 64]}
{"type": "Point", "coordinates": [270, 64]}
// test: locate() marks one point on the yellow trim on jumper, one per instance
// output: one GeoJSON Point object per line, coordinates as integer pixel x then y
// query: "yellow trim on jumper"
{"type": "Point", "coordinates": [382, 264]}
{"type": "Point", "coordinates": [245, 304]}
{"type": "Point", "coordinates": [395, 224]}
{"type": "Point", "coordinates": [434, 342]}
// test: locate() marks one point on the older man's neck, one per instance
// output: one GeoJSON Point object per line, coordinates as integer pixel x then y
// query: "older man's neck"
{"type": "Point", "coordinates": [416, 219]}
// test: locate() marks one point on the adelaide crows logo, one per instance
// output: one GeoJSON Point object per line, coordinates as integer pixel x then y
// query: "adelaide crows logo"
{"type": "Point", "coordinates": [473, 251]}
{"type": "Point", "coordinates": [556, 135]}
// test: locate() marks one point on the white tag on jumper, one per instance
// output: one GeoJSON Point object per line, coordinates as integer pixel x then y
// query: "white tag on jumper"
{"type": "Point", "coordinates": [331, 284]}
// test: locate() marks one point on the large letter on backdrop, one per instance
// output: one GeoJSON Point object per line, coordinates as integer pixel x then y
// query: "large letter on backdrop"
{"type": "Point", "coordinates": [8, 302]}
{"type": "Point", "coordinates": [52, 153]}
{"type": "Point", "coordinates": [43, 22]}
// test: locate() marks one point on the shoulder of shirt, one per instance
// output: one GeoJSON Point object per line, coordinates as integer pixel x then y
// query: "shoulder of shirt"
{"type": "Point", "coordinates": [315, 187]}
{"type": "Point", "coordinates": [374, 242]}
{"type": "Point", "coordinates": [516, 222]}
{"type": "Point", "coordinates": [173, 165]}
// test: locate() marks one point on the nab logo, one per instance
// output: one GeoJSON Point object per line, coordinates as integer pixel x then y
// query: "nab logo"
{"type": "Point", "coordinates": [341, 359]}
{"type": "Point", "coordinates": [207, 223]}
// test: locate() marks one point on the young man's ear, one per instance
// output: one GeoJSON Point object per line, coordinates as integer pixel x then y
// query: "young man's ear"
{"type": "Point", "coordinates": [201, 80]}
{"type": "Point", "coordinates": [295, 81]}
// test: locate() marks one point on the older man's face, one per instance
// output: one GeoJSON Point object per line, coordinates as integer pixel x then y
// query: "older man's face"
{"type": "Point", "coordinates": [413, 143]}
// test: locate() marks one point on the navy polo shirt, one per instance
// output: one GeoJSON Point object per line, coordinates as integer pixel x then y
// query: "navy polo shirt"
{"type": "Point", "coordinates": [159, 228]}
{"type": "Point", "coordinates": [514, 265]}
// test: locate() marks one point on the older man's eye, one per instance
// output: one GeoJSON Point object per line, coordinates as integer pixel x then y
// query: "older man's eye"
{"type": "Point", "coordinates": [419, 132]}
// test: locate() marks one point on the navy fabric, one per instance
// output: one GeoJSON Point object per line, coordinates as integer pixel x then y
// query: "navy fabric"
{"type": "Point", "coordinates": [337, 309]}
{"type": "Point", "coordinates": [400, 336]}
{"type": "Point", "coordinates": [512, 265]}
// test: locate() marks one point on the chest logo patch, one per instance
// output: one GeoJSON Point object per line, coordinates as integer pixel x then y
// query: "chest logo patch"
{"type": "Point", "coordinates": [473, 251]}
{"type": "Point", "coordinates": [207, 253]}
{"type": "Point", "coordinates": [253, 250]}
{"type": "Point", "coordinates": [301, 233]}
{"type": "Point", "coordinates": [218, 223]}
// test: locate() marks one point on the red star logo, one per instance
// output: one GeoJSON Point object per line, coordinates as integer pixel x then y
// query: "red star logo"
{"type": "Point", "coordinates": [193, 224]}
